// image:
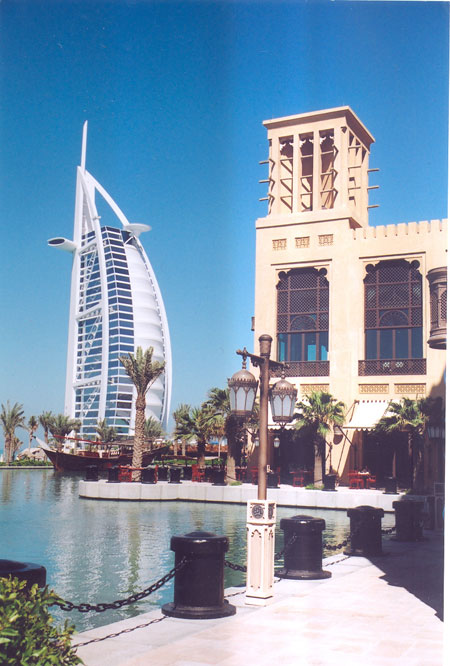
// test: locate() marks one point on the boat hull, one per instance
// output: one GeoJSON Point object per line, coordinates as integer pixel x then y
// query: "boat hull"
{"type": "Point", "coordinates": [70, 462]}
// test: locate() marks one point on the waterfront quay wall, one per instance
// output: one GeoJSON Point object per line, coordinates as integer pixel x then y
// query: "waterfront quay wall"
{"type": "Point", "coordinates": [341, 499]}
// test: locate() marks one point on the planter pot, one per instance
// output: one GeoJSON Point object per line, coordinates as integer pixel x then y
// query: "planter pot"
{"type": "Point", "coordinates": [272, 480]}
{"type": "Point", "coordinates": [218, 477]}
{"type": "Point", "coordinates": [390, 485]}
{"type": "Point", "coordinates": [329, 482]}
{"type": "Point", "coordinates": [175, 474]}
{"type": "Point", "coordinates": [162, 473]}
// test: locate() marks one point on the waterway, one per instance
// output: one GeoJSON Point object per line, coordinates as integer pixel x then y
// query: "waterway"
{"type": "Point", "coordinates": [100, 551]}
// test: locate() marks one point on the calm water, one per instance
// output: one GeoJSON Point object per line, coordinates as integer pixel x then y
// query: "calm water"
{"type": "Point", "coordinates": [101, 551]}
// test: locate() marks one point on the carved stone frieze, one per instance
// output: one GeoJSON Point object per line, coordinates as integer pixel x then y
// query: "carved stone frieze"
{"type": "Point", "coordinates": [279, 244]}
{"type": "Point", "coordinates": [374, 388]}
{"type": "Point", "coordinates": [306, 389]}
{"type": "Point", "coordinates": [416, 389]}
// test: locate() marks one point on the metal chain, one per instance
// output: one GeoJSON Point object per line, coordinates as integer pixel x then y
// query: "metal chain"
{"type": "Point", "coordinates": [291, 541]}
{"type": "Point", "coordinates": [235, 567]}
{"type": "Point", "coordinates": [388, 530]}
{"type": "Point", "coordinates": [277, 556]}
{"type": "Point", "coordinates": [338, 546]}
{"type": "Point", "coordinates": [119, 633]}
{"type": "Point", "coordinates": [100, 608]}
{"type": "Point", "coordinates": [342, 559]}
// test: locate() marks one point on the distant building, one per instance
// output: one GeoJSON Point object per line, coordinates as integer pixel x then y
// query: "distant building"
{"type": "Point", "coordinates": [356, 310]}
{"type": "Point", "coordinates": [115, 306]}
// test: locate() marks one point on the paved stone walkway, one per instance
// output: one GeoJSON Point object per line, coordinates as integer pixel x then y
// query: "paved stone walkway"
{"type": "Point", "coordinates": [378, 612]}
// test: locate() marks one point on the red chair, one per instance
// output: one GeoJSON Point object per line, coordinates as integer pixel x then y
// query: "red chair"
{"type": "Point", "coordinates": [298, 478]}
{"type": "Point", "coordinates": [355, 480]}
{"type": "Point", "coordinates": [125, 474]}
{"type": "Point", "coordinates": [198, 473]}
{"type": "Point", "coordinates": [241, 473]}
{"type": "Point", "coordinates": [254, 474]}
{"type": "Point", "coordinates": [372, 482]}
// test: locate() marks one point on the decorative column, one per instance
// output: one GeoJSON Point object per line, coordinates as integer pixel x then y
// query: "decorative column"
{"type": "Point", "coordinates": [261, 518]}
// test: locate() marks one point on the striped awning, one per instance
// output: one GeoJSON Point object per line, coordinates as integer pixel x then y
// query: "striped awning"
{"type": "Point", "coordinates": [366, 414]}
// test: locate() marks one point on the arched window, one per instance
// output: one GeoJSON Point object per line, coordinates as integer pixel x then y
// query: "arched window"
{"type": "Point", "coordinates": [302, 315]}
{"type": "Point", "coordinates": [393, 310]}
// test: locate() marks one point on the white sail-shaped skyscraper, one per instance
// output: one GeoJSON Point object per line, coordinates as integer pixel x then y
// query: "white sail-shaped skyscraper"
{"type": "Point", "coordinates": [115, 307]}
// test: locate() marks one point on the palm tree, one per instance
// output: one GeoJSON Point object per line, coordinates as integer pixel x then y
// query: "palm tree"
{"type": "Point", "coordinates": [180, 416]}
{"type": "Point", "coordinates": [411, 416]}
{"type": "Point", "coordinates": [32, 426]}
{"type": "Point", "coordinates": [219, 401]}
{"type": "Point", "coordinates": [143, 371]}
{"type": "Point", "coordinates": [153, 430]}
{"type": "Point", "coordinates": [105, 433]}
{"type": "Point", "coordinates": [61, 426]}
{"type": "Point", "coordinates": [199, 424]}
{"type": "Point", "coordinates": [319, 412]}
{"type": "Point", "coordinates": [11, 418]}
{"type": "Point", "coordinates": [45, 419]}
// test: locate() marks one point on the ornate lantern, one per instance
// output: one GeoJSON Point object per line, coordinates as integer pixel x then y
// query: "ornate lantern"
{"type": "Point", "coordinates": [283, 396]}
{"type": "Point", "coordinates": [242, 387]}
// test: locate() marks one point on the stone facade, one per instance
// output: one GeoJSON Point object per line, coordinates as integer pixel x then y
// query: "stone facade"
{"type": "Point", "coordinates": [318, 202]}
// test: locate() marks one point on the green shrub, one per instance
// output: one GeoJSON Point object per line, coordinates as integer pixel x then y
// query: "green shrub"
{"type": "Point", "coordinates": [27, 462]}
{"type": "Point", "coordinates": [28, 636]}
{"type": "Point", "coordinates": [32, 462]}
{"type": "Point", "coordinates": [311, 486]}
{"type": "Point", "coordinates": [236, 483]}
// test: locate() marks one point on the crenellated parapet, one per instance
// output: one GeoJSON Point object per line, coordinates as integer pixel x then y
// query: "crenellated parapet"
{"type": "Point", "coordinates": [402, 229]}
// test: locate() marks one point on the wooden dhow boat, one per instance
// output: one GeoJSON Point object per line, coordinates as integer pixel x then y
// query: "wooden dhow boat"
{"type": "Point", "coordinates": [69, 458]}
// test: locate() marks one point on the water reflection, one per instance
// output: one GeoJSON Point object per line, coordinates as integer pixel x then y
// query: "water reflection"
{"type": "Point", "coordinates": [102, 551]}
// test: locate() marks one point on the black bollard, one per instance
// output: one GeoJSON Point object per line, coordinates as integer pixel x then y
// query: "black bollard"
{"type": "Point", "coordinates": [113, 475]}
{"type": "Point", "coordinates": [175, 474]}
{"type": "Point", "coordinates": [198, 589]}
{"type": "Point", "coordinates": [31, 573]}
{"type": "Point", "coordinates": [187, 472]}
{"type": "Point", "coordinates": [408, 520]}
{"type": "Point", "coordinates": [303, 558]}
{"type": "Point", "coordinates": [91, 473]}
{"type": "Point", "coordinates": [365, 531]}
{"type": "Point", "coordinates": [148, 475]}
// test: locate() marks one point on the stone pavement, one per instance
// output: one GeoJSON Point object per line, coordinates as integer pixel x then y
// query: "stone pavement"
{"type": "Point", "coordinates": [378, 612]}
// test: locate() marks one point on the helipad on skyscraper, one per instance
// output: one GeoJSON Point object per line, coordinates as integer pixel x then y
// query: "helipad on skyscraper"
{"type": "Point", "coordinates": [115, 307]}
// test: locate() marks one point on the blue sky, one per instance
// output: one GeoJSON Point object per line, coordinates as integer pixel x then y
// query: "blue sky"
{"type": "Point", "coordinates": [175, 94]}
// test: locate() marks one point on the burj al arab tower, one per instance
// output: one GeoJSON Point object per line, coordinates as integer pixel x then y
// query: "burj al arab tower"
{"type": "Point", "coordinates": [115, 307]}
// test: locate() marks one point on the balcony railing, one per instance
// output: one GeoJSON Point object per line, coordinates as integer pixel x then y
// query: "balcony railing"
{"type": "Point", "coordinates": [308, 369]}
{"type": "Point", "coordinates": [404, 366]}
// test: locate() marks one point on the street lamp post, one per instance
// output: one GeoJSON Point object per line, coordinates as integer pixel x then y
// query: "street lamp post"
{"type": "Point", "coordinates": [261, 515]}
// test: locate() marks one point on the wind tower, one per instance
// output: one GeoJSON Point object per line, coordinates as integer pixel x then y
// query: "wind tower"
{"type": "Point", "coordinates": [318, 198]}
{"type": "Point", "coordinates": [115, 307]}
{"type": "Point", "coordinates": [318, 167]}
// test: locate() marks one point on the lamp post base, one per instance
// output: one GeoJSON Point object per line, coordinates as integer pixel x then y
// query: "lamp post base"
{"type": "Point", "coordinates": [261, 518]}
